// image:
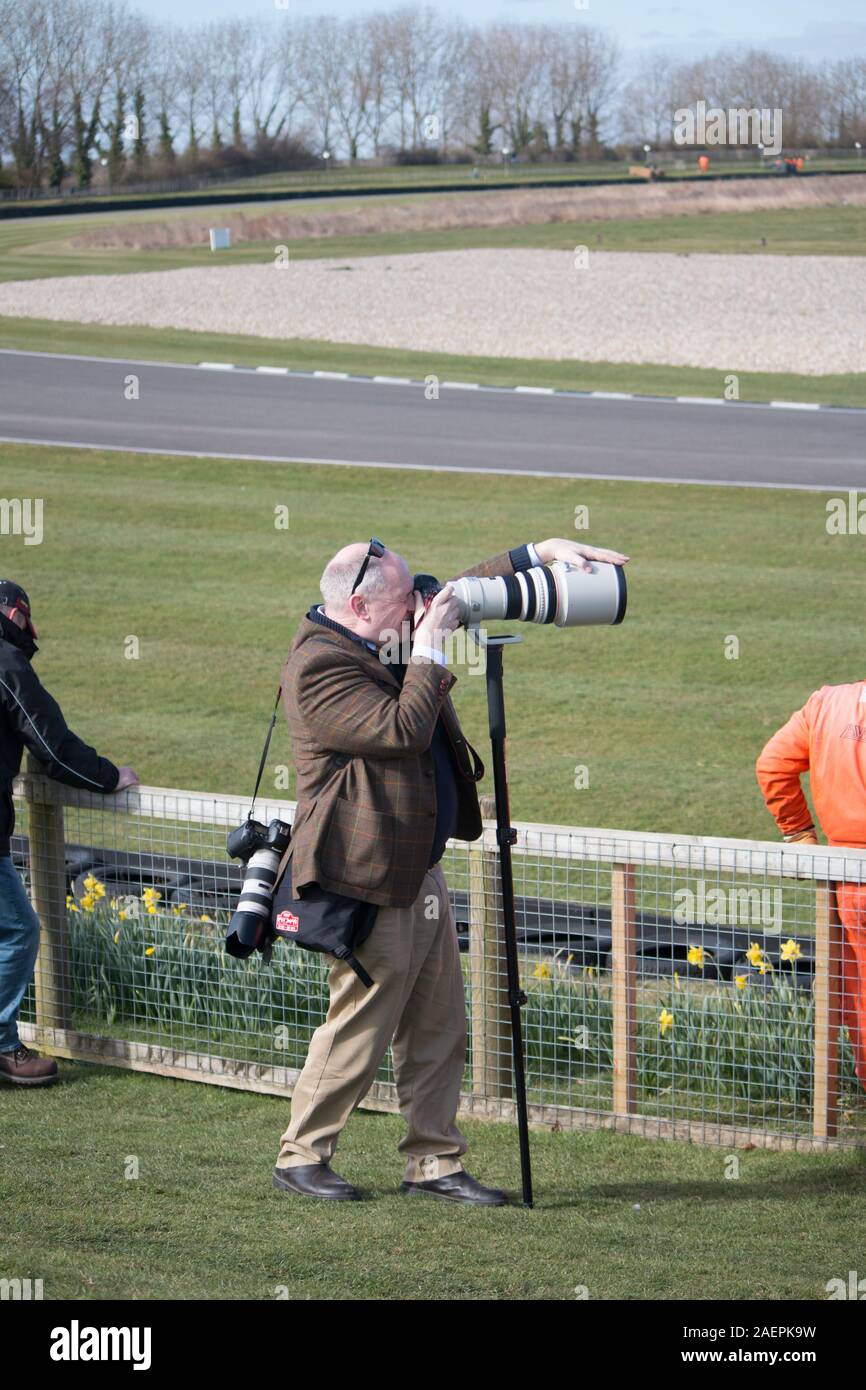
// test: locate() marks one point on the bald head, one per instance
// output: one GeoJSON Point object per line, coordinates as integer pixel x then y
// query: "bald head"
{"type": "Point", "coordinates": [383, 596]}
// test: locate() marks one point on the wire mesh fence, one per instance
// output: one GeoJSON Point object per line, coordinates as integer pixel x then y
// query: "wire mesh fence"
{"type": "Point", "coordinates": [704, 989]}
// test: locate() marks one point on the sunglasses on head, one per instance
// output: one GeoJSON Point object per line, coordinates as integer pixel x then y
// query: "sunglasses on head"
{"type": "Point", "coordinates": [375, 548]}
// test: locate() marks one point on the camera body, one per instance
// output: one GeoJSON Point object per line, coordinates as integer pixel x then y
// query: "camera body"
{"type": "Point", "coordinates": [253, 834]}
{"type": "Point", "coordinates": [260, 847]}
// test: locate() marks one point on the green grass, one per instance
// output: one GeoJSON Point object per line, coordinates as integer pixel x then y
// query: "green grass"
{"type": "Point", "coordinates": [201, 1221]}
{"type": "Point", "coordinates": [178, 345]}
{"type": "Point", "coordinates": [668, 727]}
{"type": "Point", "coordinates": [29, 250]}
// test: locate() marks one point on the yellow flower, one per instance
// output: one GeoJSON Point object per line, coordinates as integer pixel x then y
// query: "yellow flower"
{"type": "Point", "coordinates": [696, 956]}
{"type": "Point", "coordinates": [754, 954]}
{"type": "Point", "coordinates": [740, 981]}
{"type": "Point", "coordinates": [541, 971]}
{"type": "Point", "coordinates": [151, 895]}
{"type": "Point", "coordinates": [87, 902]}
{"type": "Point", "coordinates": [676, 980]}
{"type": "Point", "coordinates": [92, 885]}
{"type": "Point", "coordinates": [73, 907]}
{"type": "Point", "coordinates": [116, 937]}
{"type": "Point", "coordinates": [790, 950]}
{"type": "Point", "coordinates": [122, 914]}
{"type": "Point", "coordinates": [113, 902]}
{"type": "Point", "coordinates": [150, 950]}
{"type": "Point", "coordinates": [178, 909]}
{"type": "Point", "coordinates": [204, 918]}
{"type": "Point", "coordinates": [666, 1019]}
{"type": "Point", "coordinates": [764, 966]}
{"type": "Point", "coordinates": [151, 909]}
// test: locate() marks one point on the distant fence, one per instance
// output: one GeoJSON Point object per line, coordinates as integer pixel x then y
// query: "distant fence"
{"type": "Point", "coordinates": [677, 987]}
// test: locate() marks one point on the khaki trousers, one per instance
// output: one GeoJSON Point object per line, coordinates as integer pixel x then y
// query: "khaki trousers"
{"type": "Point", "coordinates": [416, 1004]}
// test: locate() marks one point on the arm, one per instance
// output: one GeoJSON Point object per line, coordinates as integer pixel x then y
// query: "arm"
{"type": "Point", "coordinates": [38, 720]}
{"type": "Point", "coordinates": [779, 768]}
{"type": "Point", "coordinates": [523, 556]}
{"type": "Point", "coordinates": [337, 696]}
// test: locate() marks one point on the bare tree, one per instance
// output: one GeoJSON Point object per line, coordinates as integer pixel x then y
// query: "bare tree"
{"type": "Point", "coordinates": [648, 101]}
{"type": "Point", "coordinates": [322, 73]}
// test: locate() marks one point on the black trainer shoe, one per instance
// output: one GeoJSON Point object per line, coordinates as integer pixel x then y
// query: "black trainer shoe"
{"type": "Point", "coordinates": [25, 1068]}
{"type": "Point", "coordinates": [459, 1187]}
{"type": "Point", "coordinates": [315, 1180]}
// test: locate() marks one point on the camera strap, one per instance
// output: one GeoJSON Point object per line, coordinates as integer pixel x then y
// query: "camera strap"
{"type": "Point", "coordinates": [265, 750]}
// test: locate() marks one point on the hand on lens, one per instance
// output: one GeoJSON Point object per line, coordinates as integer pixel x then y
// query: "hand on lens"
{"type": "Point", "coordinates": [574, 553]}
{"type": "Point", "coordinates": [127, 778]}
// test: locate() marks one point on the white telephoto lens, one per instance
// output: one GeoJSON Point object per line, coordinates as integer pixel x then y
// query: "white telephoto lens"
{"type": "Point", "coordinates": [586, 599]}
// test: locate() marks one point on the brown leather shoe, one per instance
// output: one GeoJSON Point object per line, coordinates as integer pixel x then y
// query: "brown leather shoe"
{"type": "Point", "coordinates": [315, 1180]}
{"type": "Point", "coordinates": [459, 1187]}
{"type": "Point", "coordinates": [25, 1068]}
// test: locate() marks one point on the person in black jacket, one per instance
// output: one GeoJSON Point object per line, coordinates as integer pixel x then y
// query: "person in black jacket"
{"type": "Point", "coordinates": [31, 718]}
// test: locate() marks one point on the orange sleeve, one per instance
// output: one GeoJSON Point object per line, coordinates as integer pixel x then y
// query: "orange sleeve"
{"type": "Point", "coordinates": [780, 766]}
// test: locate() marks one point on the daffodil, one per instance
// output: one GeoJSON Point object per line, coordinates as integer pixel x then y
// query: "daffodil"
{"type": "Point", "coordinates": [204, 918]}
{"type": "Point", "coordinates": [149, 950]}
{"type": "Point", "coordinates": [541, 971]}
{"type": "Point", "coordinates": [151, 895]}
{"type": "Point", "coordinates": [73, 907]}
{"type": "Point", "coordinates": [754, 954]}
{"type": "Point", "coordinates": [116, 937]}
{"type": "Point", "coordinates": [790, 950]}
{"type": "Point", "coordinates": [740, 981]}
{"type": "Point", "coordinates": [122, 915]}
{"type": "Point", "coordinates": [94, 886]}
{"type": "Point", "coordinates": [87, 902]}
{"type": "Point", "coordinates": [666, 1019]}
{"type": "Point", "coordinates": [696, 956]}
{"type": "Point", "coordinates": [764, 967]}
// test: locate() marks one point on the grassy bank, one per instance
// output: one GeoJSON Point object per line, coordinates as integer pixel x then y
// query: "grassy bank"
{"type": "Point", "coordinates": [29, 251]}
{"type": "Point", "coordinates": [626, 1218]}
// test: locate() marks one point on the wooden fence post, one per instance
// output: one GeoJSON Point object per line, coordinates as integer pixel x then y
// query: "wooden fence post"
{"type": "Point", "coordinates": [624, 974]}
{"type": "Point", "coordinates": [828, 1012]}
{"type": "Point", "coordinates": [488, 974]}
{"type": "Point", "coordinates": [48, 895]}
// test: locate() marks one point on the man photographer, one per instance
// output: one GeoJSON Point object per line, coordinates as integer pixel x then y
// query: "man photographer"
{"type": "Point", "coordinates": [31, 718]}
{"type": "Point", "coordinates": [384, 779]}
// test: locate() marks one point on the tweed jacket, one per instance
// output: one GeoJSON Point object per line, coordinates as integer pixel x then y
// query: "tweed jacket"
{"type": "Point", "coordinates": [366, 798]}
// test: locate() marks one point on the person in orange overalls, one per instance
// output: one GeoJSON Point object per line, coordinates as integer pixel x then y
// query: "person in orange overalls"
{"type": "Point", "coordinates": [827, 739]}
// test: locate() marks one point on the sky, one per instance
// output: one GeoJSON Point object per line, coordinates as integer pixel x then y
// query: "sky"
{"type": "Point", "coordinates": [796, 28]}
